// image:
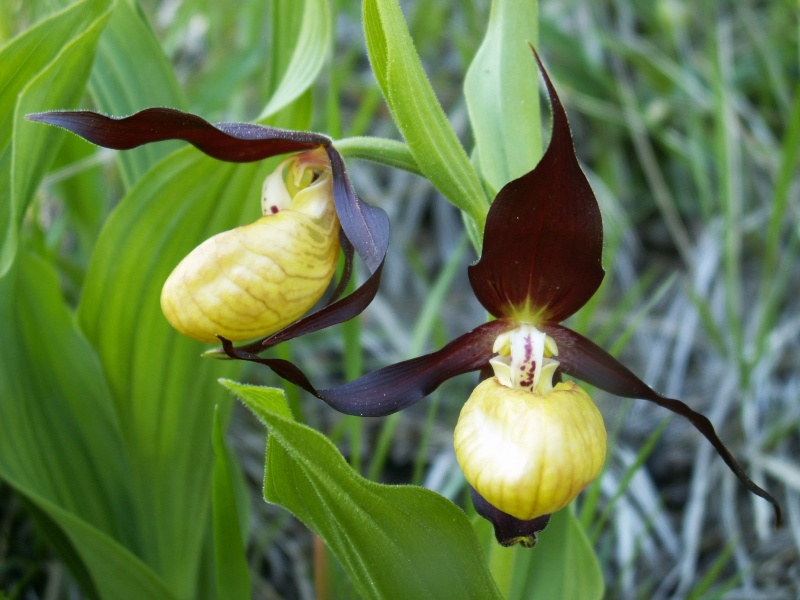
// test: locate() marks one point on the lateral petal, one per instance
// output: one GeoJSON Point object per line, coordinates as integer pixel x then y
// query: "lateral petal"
{"type": "Point", "coordinates": [395, 387]}
{"type": "Point", "coordinates": [585, 360]}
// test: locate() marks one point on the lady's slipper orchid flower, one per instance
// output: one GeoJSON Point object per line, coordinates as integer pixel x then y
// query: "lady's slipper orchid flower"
{"type": "Point", "coordinates": [527, 442]}
{"type": "Point", "coordinates": [259, 279]}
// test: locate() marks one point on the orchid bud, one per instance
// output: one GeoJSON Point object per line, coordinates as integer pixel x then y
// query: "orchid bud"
{"type": "Point", "coordinates": [256, 279]}
{"type": "Point", "coordinates": [526, 446]}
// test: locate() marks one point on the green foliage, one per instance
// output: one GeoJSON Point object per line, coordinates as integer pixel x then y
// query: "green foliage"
{"type": "Point", "coordinates": [45, 66]}
{"type": "Point", "coordinates": [106, 411]}
{"type": "Point", "coordinates": [417, 112]}
{"type": "Point", "coordinates": [540, 573]}
{"type": "Point", "coordinates": [393, 541]}
{"type": "Point", "coordinates": [503, 96]}
{"type": "Point", "coordinates": [61, 445]}
{"type": "Point", "coordinates": [233, 575]}
{"type": "Point", "coordinates": [131, 73]}
{"type": "Point", "coordinates": [308, 41]}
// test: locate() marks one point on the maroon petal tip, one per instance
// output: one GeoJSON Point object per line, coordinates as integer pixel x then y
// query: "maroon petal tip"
{"type": "Point", "coordinates": [231, 142]}
{"type": "Point", "coordinates": [585, 360]}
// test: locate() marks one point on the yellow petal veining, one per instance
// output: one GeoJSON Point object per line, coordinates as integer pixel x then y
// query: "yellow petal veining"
{"type": "Point", "coordinates": [526, 446]}
{"type": "Point", "coordinates": [256, 279]}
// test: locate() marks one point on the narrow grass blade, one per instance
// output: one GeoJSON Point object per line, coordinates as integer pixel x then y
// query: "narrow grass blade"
{"type": "Point", "coordinates": [416, 110]}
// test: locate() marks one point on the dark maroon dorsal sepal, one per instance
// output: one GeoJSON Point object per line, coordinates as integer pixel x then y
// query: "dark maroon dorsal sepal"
{"type": "Point", "coordinates": [543, 239]}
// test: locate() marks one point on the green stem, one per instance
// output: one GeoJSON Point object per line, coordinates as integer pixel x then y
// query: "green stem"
{"type": "Point", "coordinates": [501, 566]}
{"type": "Point", "coordinates": [380, 150]}
{"type": "Point", "coordinates": [353, 368]}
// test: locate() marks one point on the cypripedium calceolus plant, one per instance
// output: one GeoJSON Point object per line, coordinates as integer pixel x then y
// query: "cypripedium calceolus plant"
{"type": "Point", "coordinates": [527, 441]}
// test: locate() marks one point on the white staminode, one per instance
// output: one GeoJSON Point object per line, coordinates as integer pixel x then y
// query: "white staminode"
{"type": "Point", "coordinates": [274, 195]}
{"type": "Point", "coordinates": [524, 359]}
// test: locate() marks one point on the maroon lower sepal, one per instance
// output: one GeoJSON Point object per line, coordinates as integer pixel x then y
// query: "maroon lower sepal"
{"type": "Point", "coordinates": [508, 530]}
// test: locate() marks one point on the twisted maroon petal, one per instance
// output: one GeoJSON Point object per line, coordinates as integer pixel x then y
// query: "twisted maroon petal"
{"type": "Point", "coordinates": [231, 142]}
{"type": "Point", "coordinates": [397, 386]}
{"type": "Point", "coordinates": [585, 360]}
{"type": "Point", "coordinates": [544, 236]}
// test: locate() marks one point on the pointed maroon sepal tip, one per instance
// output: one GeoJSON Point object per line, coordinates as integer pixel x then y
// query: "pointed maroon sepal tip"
{"type": "Point", "coordinates": [543, 239]}
{"type": "Point", "coordinates": [508, 530]}
{"type": "Point", "coordinates": [231, 142]}
{"type": "Point", "coordinates": [395, 387]}
{"type": "Point", "coordinates": [585, 360]}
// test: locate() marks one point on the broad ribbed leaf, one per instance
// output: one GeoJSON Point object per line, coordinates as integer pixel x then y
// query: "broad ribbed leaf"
{"type": "Point", "coordinates": [59, 435]}
{"type": "Point", "coordinates": [309, 43]}
{"type": "Point", "coordinates": [544, 237]}
{"type": "Point", "coordinates": [585, 360]}
{"type": "Point", "coordinates": [162, 389]}
{"type": "Point", "coordinates": [46, 66]}
{"type": "Point", "coordinates": [503, 100]}
{"type": "Point", "coordinates": [60, 441]}
{"type": "Point", "coordinates": [416, 110]}
{"type": "Point", "coordinates": [230, 560]}
{"type": "Point", "coordinates": [398, 386]}
{"type": "Point", "coordinates": [130, 73]}
{"type": "Point", "coordinates": [115, 572]}
{"type": "Point", "coordinates": [393, 541]}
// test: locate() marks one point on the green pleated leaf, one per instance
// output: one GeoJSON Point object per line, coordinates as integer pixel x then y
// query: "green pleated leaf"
{"type": "Point", "coordinates": [45, 66]}
{"type": "Point", "coordinates": [230, 560]}
{"type": "Point", "coordinates": [59, 436]}
{"type": "Point", "coordinates": [132, 73]}
{"type": "Point", "coordinates": [501, 88]}
{"type": "Point", "coordinates": [304, 47]}
{"type": "Point", "coordinates": [416, 110]}
{"type": "Point", "coordinates": [60, 443]}
{"type": "Point", "coordinates": [393, 541]}
{"type": "Point", "coordinates": [161, 387]}
{"type": "Point", "coordinates": [115, 572]}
